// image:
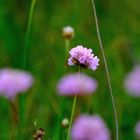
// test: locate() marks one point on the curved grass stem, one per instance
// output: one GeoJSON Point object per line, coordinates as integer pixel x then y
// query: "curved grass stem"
{"type": "Point", "coordinates": [106, 69]}
{"type": "Point", "coordinates": [28, 33]}
{"type": "Point", "coordinates": [24, 64]}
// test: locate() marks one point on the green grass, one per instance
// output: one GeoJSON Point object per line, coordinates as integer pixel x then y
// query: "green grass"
{"type": "Point", "coordinates": [119, 26]}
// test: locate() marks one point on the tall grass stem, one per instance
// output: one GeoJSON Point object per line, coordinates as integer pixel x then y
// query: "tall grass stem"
{"type": "Point", "coordinates": [24, 64]}
{"type": "Point", "coordinates": [106, 69]}
{"type": "Point", "coordinates": [28, 33]}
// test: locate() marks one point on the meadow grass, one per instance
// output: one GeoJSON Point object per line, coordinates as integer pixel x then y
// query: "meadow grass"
{"type": "Point", "coordinates": [119, 25]}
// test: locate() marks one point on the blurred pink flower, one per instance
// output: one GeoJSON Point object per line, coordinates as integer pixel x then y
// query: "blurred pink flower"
{"type": "Point", "coordinates": [137, 129]}
{"type": "Point", "coordinates": [14, 81]}
{"type": "Point", "coordinates": [83, 57]}
{"type": "Point", "coordinates": [132, 82]}
{"type": "Point", "coordinates": [88, 127]}
{"type": "Point", "coordinates": [76, 83]}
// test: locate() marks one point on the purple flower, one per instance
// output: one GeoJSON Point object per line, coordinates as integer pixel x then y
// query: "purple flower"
{"type": "Point", "coordinates": [83, 57]}
{"type": "Point", "coordinates": [88, 127]}
{"type": "Point", "coordinates": [14, 81]}
{"type": "Point", "coordinates": [137, 129]}
{"type": "Point", "coordinates": [76, 83]}
{"type": "Point", "coordinates": [132, 82]}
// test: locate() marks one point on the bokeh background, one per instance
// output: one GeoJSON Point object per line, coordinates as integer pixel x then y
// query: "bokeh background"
{"type": "Point", "coordinates": [119, 22]}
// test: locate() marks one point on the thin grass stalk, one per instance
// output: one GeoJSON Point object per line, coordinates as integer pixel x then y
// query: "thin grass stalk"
{"type": "Point", "coordinates": [106, 69]}
{"type": "Point", "coordinates": [25, 54]}
{"type": "Point", "coordinates": [28, 33]}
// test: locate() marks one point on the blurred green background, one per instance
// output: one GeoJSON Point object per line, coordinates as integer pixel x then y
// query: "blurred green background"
{"type": "Point", "coordinates": [119, 22]}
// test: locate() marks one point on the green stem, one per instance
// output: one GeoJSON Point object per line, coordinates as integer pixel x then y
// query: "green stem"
{"type": "Point", "coordinates": [71, 118]}
{"type": "Point", "coordinates": [106, 69]}
{"type": "Point", "coordinates": [67, 47]}
{"type": "Point", "coordinates": [73, 110]}
{"type": "Point", "coordinates": [28, 33]}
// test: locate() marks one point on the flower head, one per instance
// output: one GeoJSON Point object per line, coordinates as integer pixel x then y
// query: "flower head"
{"type": "Point", "coordinates": [132, 82]}
{"type": "Point", "coordinates": [68, 32]}
{"type": "Point", "coordinates": [76, 83]}
{"type": "Point", "coordinates": [83, 57]}
{"type": "Point", "coordinates": [88, 127]}
{"type": "Point", "coordinates": [14, 81]}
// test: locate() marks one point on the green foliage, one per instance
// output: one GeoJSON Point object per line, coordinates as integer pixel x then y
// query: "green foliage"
{"type": "Point", "coordinates": [119, 25]}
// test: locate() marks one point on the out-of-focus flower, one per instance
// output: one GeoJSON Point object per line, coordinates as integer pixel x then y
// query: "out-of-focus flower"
{"type": "Point", "coordinates": [88, 127]}
{"type": "Point", "coordinates": [132, 82]}
{"type": "Point", "coordinates": [76, 84]}
{"type": "Point", "coordinates": [39, 134]}
{"type": "Point", "coordinates": [68, 32]}
{"type": "Point", "coordinates": [83, 57]}
{"type": "Point", "coordinates": [137, 130]}
{"type": "Point", "coordinates": [13, 82]}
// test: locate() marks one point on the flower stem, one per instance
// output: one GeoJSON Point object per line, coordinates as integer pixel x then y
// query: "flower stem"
{"type": "Point", "coordinates": [71, 118]}
{"type": "Point", "coordinates": [106, 69]}
{"type": "Point", "coordinates": [73, 110]}
{"type": "Point", "coordinates": [67, 47]}
{"type": "Point", "coordinates": [15, 120]}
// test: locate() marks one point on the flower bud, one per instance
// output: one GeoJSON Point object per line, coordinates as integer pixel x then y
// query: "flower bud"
{"type": "Point", "coordinates": [68, 32]}
{"type": "Point", "coordinates": [65, 122]}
